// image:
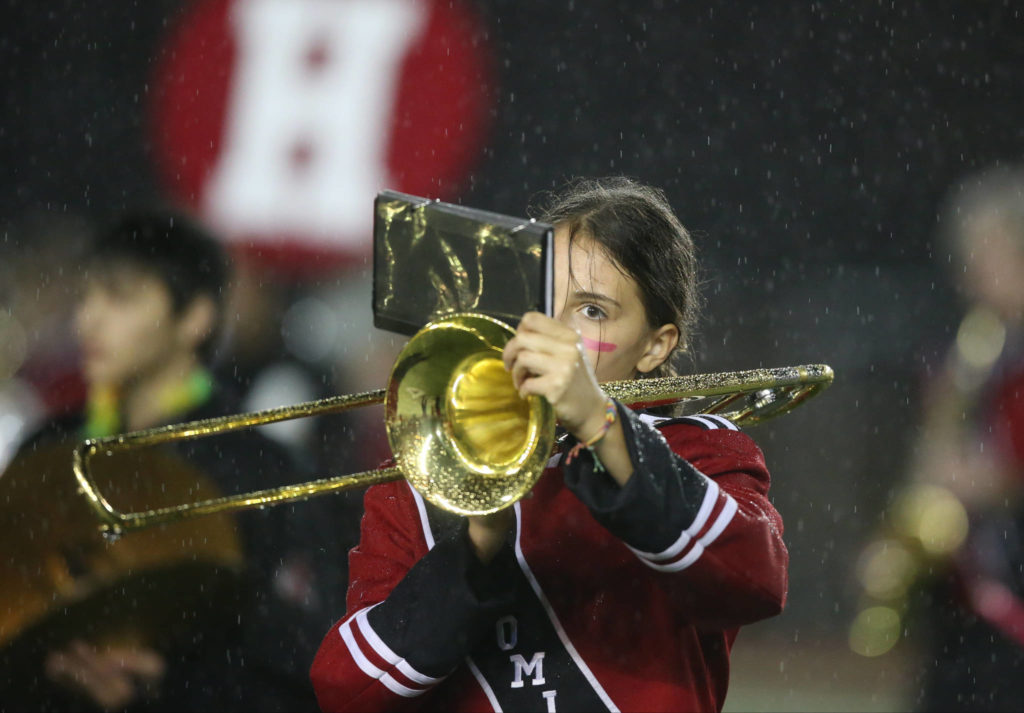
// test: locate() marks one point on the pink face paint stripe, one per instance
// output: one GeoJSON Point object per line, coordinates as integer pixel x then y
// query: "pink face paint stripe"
{"type": "Point", "coordinates": [597, 346]}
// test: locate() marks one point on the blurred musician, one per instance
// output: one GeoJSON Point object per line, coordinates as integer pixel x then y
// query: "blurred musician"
{"type": "Point", "coordinates": [952, 556]}
{"type": "Point", "coordinates": [147, 323]}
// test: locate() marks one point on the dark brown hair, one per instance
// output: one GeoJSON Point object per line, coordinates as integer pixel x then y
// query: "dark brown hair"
{"type": "Point", "coordinates": [638, 230]}
{"type": "Point", "coordinates": [187, 259]}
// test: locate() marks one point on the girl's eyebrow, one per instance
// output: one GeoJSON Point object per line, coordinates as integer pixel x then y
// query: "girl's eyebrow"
{"type": "Point", "coordinates": [595, 297]}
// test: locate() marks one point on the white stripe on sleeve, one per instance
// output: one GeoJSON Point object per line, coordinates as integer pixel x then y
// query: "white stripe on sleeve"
{"type": "Point", "coordinates": [706, 506]}
{"type": "Point", "coordinates": [725, 423]}
{"type": "Point", "coordinates": [385, 652]}
{"type": "Point", "coordinates": [721, 522]}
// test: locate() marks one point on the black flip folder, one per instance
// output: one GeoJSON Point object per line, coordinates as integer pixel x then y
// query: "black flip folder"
{"type": "Point", "coordinates": [432, 258]}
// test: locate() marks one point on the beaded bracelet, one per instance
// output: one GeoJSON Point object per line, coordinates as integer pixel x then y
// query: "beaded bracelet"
{"type": "Point", "coordinates": [610, 414]}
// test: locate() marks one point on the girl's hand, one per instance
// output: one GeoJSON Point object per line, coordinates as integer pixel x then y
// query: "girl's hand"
{"type": "Point", "coordinates": [546, 358]}
{"type": "Point", "coordinates": [487, 533]}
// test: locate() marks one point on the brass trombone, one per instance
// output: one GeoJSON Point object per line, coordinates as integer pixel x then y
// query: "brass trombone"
{"type": "Point", "coordinates": [459, 431]}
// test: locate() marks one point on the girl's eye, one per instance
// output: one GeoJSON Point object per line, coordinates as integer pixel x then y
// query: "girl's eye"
{"type": "Point", "coordinates": [593, 312]}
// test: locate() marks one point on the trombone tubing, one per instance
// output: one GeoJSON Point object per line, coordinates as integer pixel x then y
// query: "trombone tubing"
{"type": "Point", "coordinates": [116, 523]}
{"type": "Point", "coordinates": [802, 381]}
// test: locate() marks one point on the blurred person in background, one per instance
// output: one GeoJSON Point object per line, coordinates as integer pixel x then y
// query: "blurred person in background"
{"type": "Point", "coordinates": [293, 341]}
{"type": "Point", "coordinates": [948, 569]}
{"type": "Point", "coordinates": [39, 374]}
{"type": "Point", "coordinates": [147, 323]}
{"type": "Point", "coordinates": [284, 338]}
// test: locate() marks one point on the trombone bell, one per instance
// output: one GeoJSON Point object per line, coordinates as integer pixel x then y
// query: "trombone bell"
{"type": "Point", "coordinates": [489, 423]}
{"type": "Point", "coordinates": [459, 431]}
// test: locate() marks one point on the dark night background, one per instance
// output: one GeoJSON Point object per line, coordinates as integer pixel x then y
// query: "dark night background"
{"type": "Point", "coordinates": [808, 145]}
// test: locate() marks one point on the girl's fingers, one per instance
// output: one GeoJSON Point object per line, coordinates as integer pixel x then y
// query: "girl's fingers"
{"type": "Point", "coordinates": [526, 341]}
{"type": "Point", "coordinates": [546, 358]}
{"type": "Point", "coordinates": [532, 364]}
{"type": "Point", "coordinates": [538, 332]}
{"type": "Point", "coordinates": [528, 364]}
{"type": "Point", "coordinates": [538, 386]}
{"type": "Point", "coordinates": [555, 347]}
{"type": "Point", "coordinates": [510, 352]}
{"type": "Point", "coordinates": [541, 355]}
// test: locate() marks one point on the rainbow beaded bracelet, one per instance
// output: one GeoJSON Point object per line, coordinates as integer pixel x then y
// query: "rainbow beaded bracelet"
{"type": "Point", "coordinates": [610, 414]}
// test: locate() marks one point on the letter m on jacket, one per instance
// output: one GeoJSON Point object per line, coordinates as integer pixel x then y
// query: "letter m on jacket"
{"type": "Point", "coordinates": [534, 667]}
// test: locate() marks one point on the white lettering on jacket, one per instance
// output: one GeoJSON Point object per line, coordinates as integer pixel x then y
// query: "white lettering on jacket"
{"type": "Point", "coordinates": [534, 667]}
{"type": "Point", "coordinates": [507, 629]}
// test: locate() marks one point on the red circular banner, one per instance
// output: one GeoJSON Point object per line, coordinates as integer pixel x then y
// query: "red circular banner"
{"type": "Point", "coordinates": [272, 118]}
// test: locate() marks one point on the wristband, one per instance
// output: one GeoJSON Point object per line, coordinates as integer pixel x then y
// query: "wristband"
{"type": "Point", "coordinates": [610, 414]}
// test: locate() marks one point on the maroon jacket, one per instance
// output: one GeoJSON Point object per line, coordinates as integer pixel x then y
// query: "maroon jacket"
{"type": "Point", "coordinates": [606, 598]}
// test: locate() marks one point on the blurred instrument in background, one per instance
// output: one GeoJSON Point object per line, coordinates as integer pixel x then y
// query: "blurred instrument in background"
{"type": "Point", "coordinates": [63, 580]}
{"type": "Point", "coordinates": [927, 522]}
